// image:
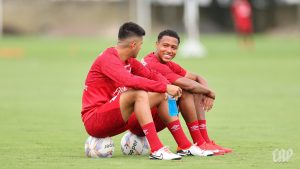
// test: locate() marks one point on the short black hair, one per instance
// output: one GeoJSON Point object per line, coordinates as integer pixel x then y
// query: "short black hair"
{"type": "Point", "coordinates": [168, 32]}
{"type": "Point", "coordinates": [130, 29]}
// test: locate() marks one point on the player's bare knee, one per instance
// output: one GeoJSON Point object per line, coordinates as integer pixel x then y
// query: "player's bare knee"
{"type": "Point", "coordinates": [141, 95]}
{"type": "Point", "coordinates": [186, 94]}
{"type": "Point", "coordinates": [157, 96]}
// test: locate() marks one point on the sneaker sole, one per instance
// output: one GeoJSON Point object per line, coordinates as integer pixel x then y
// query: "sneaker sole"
{"type": "Point", "coordinates": [185, 155]}
{"type": "Point", "coordinates": [155, 158]}
{"type": "Point", "coordinates": [182, 154]}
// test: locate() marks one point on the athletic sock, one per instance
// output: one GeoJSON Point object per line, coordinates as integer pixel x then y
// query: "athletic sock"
{"type": "Point", "coordinates": [178, 134]}
{"type": "Point", "coordinates": [203, 130]}
{"type": "Point", "coordinates": [152, 137]}
{"type": "Point", "coordinates": [195, 132]}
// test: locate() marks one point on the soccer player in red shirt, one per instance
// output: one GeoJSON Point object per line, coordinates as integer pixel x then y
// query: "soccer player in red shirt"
{"type": "Point", "coordinates": [196, 98]}
{"type": "Point", "coordinates": [242, 17]}
{"type": "Point", "coordinates": [118, 85]}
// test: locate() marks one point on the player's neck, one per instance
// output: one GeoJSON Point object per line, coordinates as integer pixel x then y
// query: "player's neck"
{"type": "Point", "coordinates": [123, 53]}
{"type": "Point", "coordinates": [159, 59]}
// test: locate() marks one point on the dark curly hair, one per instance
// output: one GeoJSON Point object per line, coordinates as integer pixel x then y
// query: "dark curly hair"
{"type": "Point", "coordinates": [130, 29]}
{"type": "Point", "coordinates": [170, 33]}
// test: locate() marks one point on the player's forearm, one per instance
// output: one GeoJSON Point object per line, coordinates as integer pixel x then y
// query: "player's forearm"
{"type": "Point", "coordinates": [200, 89]}
{"type": "Point", "coordinates": [196, 78]}
{"type": "Point", "coordinates": [201, 80]}
{"type": "Point", "coordinates": [194, 87]}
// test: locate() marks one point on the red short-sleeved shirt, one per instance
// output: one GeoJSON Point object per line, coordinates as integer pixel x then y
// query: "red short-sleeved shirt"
{"type": "Point", "coordinates": [242, 16]}
{"type": "Point", "coordinates": [170, 70]}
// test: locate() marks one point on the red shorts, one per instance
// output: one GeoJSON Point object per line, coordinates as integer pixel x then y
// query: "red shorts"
{"type": "Point", "coordinates": [244, 28]}
{"type": "Point", "coordinates": [134, 126]}
{"type": "Point", "coordinates": [106, 120]}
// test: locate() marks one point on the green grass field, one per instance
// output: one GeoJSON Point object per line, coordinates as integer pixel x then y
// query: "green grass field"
{"type": "Point", "coordinates": [256, 111]}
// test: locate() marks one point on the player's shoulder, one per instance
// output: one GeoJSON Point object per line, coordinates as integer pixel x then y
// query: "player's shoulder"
{"type": "Point", "coordinates": [107, 55]}
{"type": "Point", "coordinates": [174, 65]}
{"type": "Point", "coordinates": [151, 58]}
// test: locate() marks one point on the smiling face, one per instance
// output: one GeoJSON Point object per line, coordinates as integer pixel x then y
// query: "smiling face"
{"type": "Point", "coordinates": [166, 48]}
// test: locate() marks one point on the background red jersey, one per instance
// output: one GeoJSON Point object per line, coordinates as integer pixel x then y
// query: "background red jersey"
{"type": "Point", "coordinates": [241, 12]}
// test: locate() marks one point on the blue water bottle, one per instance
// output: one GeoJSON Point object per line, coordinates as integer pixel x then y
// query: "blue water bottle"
{"type": "Point", "coordinates": [173, 110]}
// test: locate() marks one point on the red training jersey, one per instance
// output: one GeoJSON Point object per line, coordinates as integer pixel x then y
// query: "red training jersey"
{"type": "Point", "coordinates": [110, 76]}
{"type": "Point", "coordinates": [241, 12]}
{"type": "Point", "coordinates": [170, 70]}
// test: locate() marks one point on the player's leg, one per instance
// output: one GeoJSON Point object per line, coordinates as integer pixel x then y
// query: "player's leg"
{"type": "Point", "coordinates": [162, 120]}
{"type": "Point", "coordinates": [173, 124]}
{"type": "Point", "coordinates": [138, 102]}
{"type": "Point", "coordinates": [198, 100]}
{"type": "Point", "coordinates": [135, 101]}
{"type": "Point", "coordinates": [154, 100]}
{"type": "Point", "coordinates": [189, 113]}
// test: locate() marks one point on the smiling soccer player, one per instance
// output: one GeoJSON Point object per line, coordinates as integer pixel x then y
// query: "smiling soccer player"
{"type": "Point", "coordinates": [197, 97]}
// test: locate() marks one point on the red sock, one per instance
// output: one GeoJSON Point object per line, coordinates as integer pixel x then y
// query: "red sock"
{"type": "Point", "coordinates": [195, 132]}
{"type": "Point", "coordinates": [152, 137]}
{"type": "Point", "coordinates": [202, 127]}
{"type": "Point", "coordinates": [178, 134]}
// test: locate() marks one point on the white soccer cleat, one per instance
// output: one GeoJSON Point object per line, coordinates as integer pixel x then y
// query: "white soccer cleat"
{"type": "Point", "coordinates": [194, 150]}
{"type": "Point", "coordinates": [164, 154]}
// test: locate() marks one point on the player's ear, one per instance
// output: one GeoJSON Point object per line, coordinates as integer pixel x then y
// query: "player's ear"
{"type": "Point", "coordinates": [132, 44]}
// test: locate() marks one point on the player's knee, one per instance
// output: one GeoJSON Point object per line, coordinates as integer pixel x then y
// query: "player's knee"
{"type": "Point", "coordinates": [186, 94]}
{"type": "Point", "coordinates": [158, 96]}
{"type": "Point", "coordinates": [141, 95]}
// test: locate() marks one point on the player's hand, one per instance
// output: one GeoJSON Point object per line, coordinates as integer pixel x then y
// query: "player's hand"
{"type": "Point", "coordinates": [208, 103]}
{"type": "Point", "coordinates": [174, 91]}
{"type": "Point", "coordinates": [204, 103]}
{"type": "Point", "coordinates": [211, 95]}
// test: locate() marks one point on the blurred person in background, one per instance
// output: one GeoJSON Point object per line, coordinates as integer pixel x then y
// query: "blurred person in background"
{"type": "Point", "coordinates": [242, 18]}
{"type": "Point", "coordinates": [197, 97]}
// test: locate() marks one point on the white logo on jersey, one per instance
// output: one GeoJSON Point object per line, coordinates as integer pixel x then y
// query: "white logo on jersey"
{"type": "Point", "coordinates": [143, 62]}
{"type": "Point", "coordinates": [85, 87]}
{"type": "Point", "coordinates": [118, 91]}
{"type": "Point", "coordinates": [112, 99]}
{"type": "Point", "coordinates": [128, 68]}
